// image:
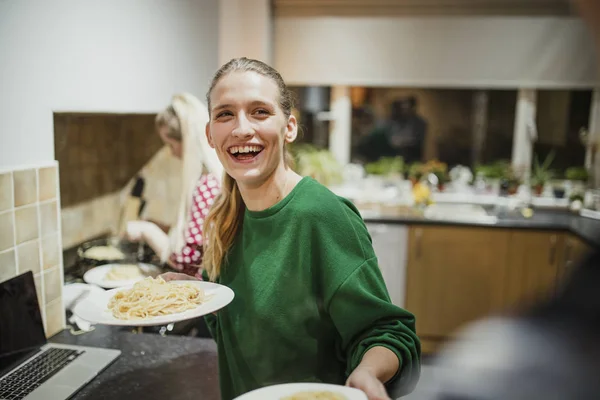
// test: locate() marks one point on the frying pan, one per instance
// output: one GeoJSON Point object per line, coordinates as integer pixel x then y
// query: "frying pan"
{"type": "Point", "coordinates": [132, 251]}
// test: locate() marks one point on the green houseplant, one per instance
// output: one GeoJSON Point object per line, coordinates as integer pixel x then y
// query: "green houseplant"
{"type": "Point", "coordinates": [541, 173]}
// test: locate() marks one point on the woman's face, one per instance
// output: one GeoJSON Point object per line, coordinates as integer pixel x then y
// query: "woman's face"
{"type": "Point", "coordinates": [174, 144]}
{"type": "Point", "coordinates": [247, 127]}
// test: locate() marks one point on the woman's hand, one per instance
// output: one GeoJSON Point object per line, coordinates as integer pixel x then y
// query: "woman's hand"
{"type": "Point", "coordinates": [137, 230]}
{"type": "Point", "coordinates": [177, 276]}
{"type": "Point", "coordinates": [150, 233]}
{"type": "Point", "coordinates": [363, 378]}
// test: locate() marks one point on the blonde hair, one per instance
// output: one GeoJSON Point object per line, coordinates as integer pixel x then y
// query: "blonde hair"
{"type": "Point", "coordinates": [225, 216]}
{"type": "Point", "coordinates": [186, 118]}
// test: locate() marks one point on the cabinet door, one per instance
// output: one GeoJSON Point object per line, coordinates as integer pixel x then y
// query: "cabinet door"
{"type": "Point", "coordinates": [533, 267]}
{"type": "Point", "coordinates": [390, 244]}
{"type": "Point", "coordinates": [455, 275]}
{"type": "Point", "coordinates": [574, 251]}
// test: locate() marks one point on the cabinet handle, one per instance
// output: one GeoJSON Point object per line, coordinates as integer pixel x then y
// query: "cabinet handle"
{"type": "Point", "coordinates": [568, 260]}
{"type": "Point", "coordinates": [419, 235]}
{"type": "Point", "coordinates": [552, 256]}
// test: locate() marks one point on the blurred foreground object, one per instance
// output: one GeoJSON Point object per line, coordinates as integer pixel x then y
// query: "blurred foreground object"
{"type": "Point", "coordinates": [552, 352]}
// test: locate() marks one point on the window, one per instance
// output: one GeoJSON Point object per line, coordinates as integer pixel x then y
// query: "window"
{"type": "Point", "coordinates": [455, 126]}
{"type": "Point", "coordinates": [310, 103]}
{"type": "Point", "coordinates": [561, 115]}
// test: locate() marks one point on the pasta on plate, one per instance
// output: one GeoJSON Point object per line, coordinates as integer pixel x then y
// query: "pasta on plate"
{"type": "Point", "coordinates": [124, 272]}
{"type": "Point", "coordinates": [153, 297]}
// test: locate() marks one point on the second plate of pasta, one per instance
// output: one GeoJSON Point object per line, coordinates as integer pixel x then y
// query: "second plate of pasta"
{"type": "Point", "coordinates": [152, 301]}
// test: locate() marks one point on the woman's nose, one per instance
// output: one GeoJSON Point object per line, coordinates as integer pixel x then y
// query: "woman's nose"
{"type": "Point", "coordinates": [243, 126]}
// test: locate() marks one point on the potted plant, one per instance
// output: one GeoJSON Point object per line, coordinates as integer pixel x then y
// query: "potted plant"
{"type": "Point", "coordinates": [415, 172]}
{"type": "Point", "coordinates": [386, 166]}
{"type": "Point", "coordinates": [577, 174]}
{"type": "Point", "coordinates": [541, 173]}
{"type": "Point", "coordinates": [317, 163]}
{"type": "Point", "coordinates": [439, 169]}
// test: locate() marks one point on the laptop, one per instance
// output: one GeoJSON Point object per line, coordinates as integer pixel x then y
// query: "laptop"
{"type": "Point", "coordinates": [30, 367]}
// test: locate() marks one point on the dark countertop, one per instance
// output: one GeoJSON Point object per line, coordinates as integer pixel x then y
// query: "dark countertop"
{"type": "Point", "coordinates": [150, 367]}
{"type": "Point", "coordinates": [587, 229]}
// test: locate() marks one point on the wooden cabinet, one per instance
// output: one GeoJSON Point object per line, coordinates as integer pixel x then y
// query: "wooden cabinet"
{"type": "Point", "coordinates": [454, 275]}
{"type": "Point", "coordinates": [574, 251]}
{"type": "Point", "coordinates": [533, 267]}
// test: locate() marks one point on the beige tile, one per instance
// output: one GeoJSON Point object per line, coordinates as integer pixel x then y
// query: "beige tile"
{"type": "Point", "coordinates": [26, 220]}
{"type": "Point", "coordinates": [37, 278]}
{"type": "Point", "coordinates": [7, 232]}
{"type": "Point", "coordinates": [50, 251]}
{"type": "Point", "coordinates": [49, 218]}
{"type": "Point", "coordinates": [6, 191]}
{"type": "Point", "coordinates": [8, 265]}
{"type": "Point", "coordinates": [47, 183]}
{"type": "Point", "coordinates": [52, 285]}
{"type": "Point", "coordinates": [28, 257]}
{"type": "Point", "coordinates": [54, 317]}
{"type": "Point", "coordinates": [25, 186]}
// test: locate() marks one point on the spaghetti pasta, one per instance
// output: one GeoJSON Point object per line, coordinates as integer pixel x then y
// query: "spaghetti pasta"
{"type": "Point", "coordinates": [152, 297]}
{"type": "Point", "coordinates": [321, 395]}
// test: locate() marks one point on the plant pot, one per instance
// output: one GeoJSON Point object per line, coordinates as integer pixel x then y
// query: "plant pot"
{"type": "Point", "coordinates": [538, 189]}
{"type": "Point", "coordinates": [559, 193]}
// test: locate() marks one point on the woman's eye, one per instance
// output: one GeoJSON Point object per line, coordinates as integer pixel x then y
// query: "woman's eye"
{"type": "Point", "coordinates": [224, 114]}
{"type": "Point", "coordinates": [262, 112]}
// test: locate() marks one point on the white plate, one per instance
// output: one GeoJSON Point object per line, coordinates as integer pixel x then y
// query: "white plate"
{"type": "Point", "coordinates": [278, 392]}
{"type": "Point", "coordinates": [94, 307]}
{"type": "Point", "coordinates": [97, 275]}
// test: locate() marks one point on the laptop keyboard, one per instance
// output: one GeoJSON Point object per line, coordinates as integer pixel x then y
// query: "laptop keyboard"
{"type": "Point", "coordinates": [37, 371]}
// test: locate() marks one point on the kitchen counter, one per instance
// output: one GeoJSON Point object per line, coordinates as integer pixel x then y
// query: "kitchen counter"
{"type": "Point", "coordinates": [586, 228]}
{"type": "Point", "coordinates": [150, 366]}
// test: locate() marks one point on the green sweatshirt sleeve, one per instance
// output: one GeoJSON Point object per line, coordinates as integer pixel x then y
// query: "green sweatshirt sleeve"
{"type": "Point", "coordinates": [365, 317]}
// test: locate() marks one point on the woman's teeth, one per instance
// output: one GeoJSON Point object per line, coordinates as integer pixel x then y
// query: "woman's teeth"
{"type": "Point", "coordinates": [244, 149]}
{"type": "Point", "coordinates": [245, 152]}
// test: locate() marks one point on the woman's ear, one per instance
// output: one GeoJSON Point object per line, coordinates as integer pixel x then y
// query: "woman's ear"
{"type": "Point", "coordinates": [209, 136]}
{"type": "Point", "coordinates": [291, 130]}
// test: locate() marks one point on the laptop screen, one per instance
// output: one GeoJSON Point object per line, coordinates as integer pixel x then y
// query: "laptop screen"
{"type": "Point", "coordinates": [21, 326]}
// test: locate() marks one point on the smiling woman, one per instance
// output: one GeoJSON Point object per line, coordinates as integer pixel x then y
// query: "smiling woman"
{"type": "Point", "coordinates": [311, 304]}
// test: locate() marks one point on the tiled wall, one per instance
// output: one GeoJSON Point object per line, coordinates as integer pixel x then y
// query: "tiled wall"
{"type": "Point", "coordinates": [90, 219]}
{"type": "Point", "coordinates": [30, 236]}
{"type": "Point", "coordinates": [100, 216]}
{"type": "Point", "coordinates": [162, 175]}
{"type": "Point", "coordinates": [99, 153]}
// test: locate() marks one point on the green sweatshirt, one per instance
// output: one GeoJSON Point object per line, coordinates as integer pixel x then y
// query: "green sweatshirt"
{"type": "Point", "coordinates": [310, 299]}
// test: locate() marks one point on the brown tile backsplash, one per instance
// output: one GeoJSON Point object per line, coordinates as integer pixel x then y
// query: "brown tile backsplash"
{"type": "Point", "coordinates": [52, 285]}
{"type": "Point", "coordinates": [48, 218]}
{"type": "Point", "coordinates": [6, 191]}
{"type": "Point", "coordinates": [7, 232]}
{"type": "Point", "coordinates": [48, 184]}
{"type": "Point", "coordinates": [30, 236]}
{"type": "Point", "coordinates": [50, 251]}
{"type": "Point", "coordinates": [54, 317]}
{"type": "Point", "coordinates": [37, 279]}
{"type": "Point", "coordinates": [99, 153]}
{"type": "Point", "coordinates": [8, 265]}
{"type": "Point", "coordinates": [28, 257]}
{"type": "Point", "coordinates": [25, 187]}
{"type": "Point", "coordinates": [26, 220]}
